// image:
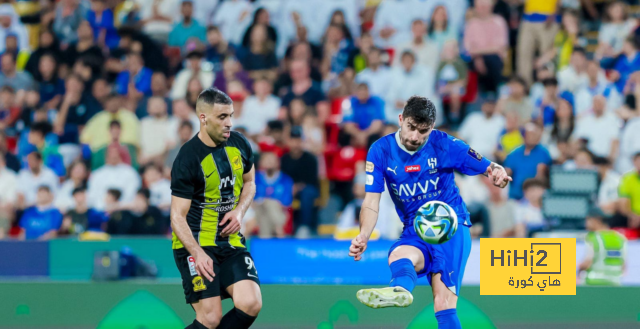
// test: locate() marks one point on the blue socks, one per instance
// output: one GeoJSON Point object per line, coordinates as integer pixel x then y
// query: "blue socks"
{"type": "Point", "coordinates": [448, 319]}
{"type": "Point", "coordinates": [403, 274]}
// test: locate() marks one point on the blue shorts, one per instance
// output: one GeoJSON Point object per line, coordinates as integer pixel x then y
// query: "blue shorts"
{"type": "Point", "coordinates": [448, 259]}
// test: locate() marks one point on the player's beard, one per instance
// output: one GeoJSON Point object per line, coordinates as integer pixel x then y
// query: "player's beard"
{"type": "Point", "coordinates": [409, 145]}
{"type": "Point", "coordinates": [217, 134]}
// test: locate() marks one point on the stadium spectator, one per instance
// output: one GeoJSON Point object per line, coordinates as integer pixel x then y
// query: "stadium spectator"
{"type": "Point", "coordinates": [10, 25]}
{"type": "Point", "coordinates": [408, 80]}
{"type": "Point", "coordinates": [187, 28]}
{"type": "Point", "coordinates": [614, 30]}
{"type": "Point", "coordinates": [260, 108]}
{"type": "Point", "coordinates": [182, 112]}
{"type": "Point", "coordinates": [158, 89]}
{"type": "Point", "coordinates": [608, 198]}
{"type": "Point", "coordinates": [492, 123]}
{"type": "Point", "coordinates": [536, 34]}
{"type": "Point", "coordinates": [96, 131]}
{"type": "Point", "coordinates": [154, 139]}
{"type": "Point", "coordinates": [440, 29]}
{"type": "Point", "coordinates": [38, 141]}
{"type": "Point", "coordinates": [47, 44]}
{"type": "Point", "coordinates": [231, 70]}
{"type": "Point", "coordinates": [69, 15]}
{"type": "Point", "coordinates": [365, 117]}
{"type": "Point", "coordinates": [128, 152]}
{"type": "Point", "coordinates": [517, 101]}
{"type": "Point", "coordinates": [297, 111]}
{"type": "Point", "coordinates": [358, 59]}
{"type": "Point", "coordinates": [159, 188]}
{"type": "Point", "coordinates": [76, 109]}
{"type": "Point", "coordinates": [337, 48]}
{"type": "Point", "coordinates": [194, 70]}
{"type": "Point", "coordinates": [596, 84]}
{"type": "Point", "coordinates": [600, 130]}
{"type": "Point", "coordinates": [84, 47]}
{"type": "Point", "coordinates": [486, 38]}
{"type": "Point", "coordinates": [305, 88]}
{"type": "Point", "coordinates": [261, 18]}
{"type": "Point", "coordinates": [451, 81]}
{"type": "Point", "coordinates": [8, 193]}
{"type": "Point", "coordinates": [629, 145]}
{"type": "Point", "coordinates": [81, 218]}
{"type": "Point", "coordinates": [76, 178]}
{"type": "Point", "coordinates": [185, 133]}
{"type": "Point", "coordinates": [528, 215]}
{"type": "Point", "coordinates": [10, 110]}
{"type": "Point", "coordinates": [557, 137]}
{"type": "Point", "coordinates": [101, 18]}
{"type": "Point", "coordinates": [138, 218]}
{"type": "Point", "coordinates": [157, 17]}
{"type": "Point", "coordinates": [113, 175]}
{"type": "Point", "coordinates": [574, 76]}
{"type": "Point", "coordinates": [10, 160]}
{"type": "Point", "coordinates": [136, 78]}
{"type": "Point", "coordinates": [10, 76]}
{"type": "Point", "coordinates": [42, 220]}
{"type": "Point", "coordinates": [194, 88]}
{"type": "Point", "coordinates": [526, 161]}
{"type": "Point", "coordinates": [501, 211]}
{"type": "Point", "coordinates": [630, 193]}
{"type": "Point", "coordinates": [274, 194]}
{"type": "Point", "coordinates": [218, 48]}
{"type": "Point", "coordinates": [302, 167]}
{"type": "Point", "coordinates": [423, 48]}
{"type": "Point", "coordinates": [376, 75]}
{"type": "Point", "coordinates": [625, 65]}
{"type": "Point", "coordinates": [566, 40]}
{"type": "Point", "coordinates": [258, 58]}
{"type": "Point", "coordinates": [511, 137]}
{"type": "Point", "coordinates": [545, 106]}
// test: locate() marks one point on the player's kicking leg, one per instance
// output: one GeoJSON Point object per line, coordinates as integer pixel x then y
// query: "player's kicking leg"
{"type": "Point", "coordinates": [405, 262]}
{"type": "Point", "coordinates": [208, 313]}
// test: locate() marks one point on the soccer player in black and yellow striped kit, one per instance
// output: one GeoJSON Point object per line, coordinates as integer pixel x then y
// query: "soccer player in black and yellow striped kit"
{"type": "Point", "coordinates": [212, 186]}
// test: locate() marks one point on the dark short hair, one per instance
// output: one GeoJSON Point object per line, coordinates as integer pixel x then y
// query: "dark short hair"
{"type": "Point", "coordinates": [637, 155]}
{"type": "Point", "coordinates": [421, 111]}
{"type": "Point", "coordinates": [408, 53]}
{"type": "Point", "coordinates": [212, 96]}
{"type": "Point", "coordinates": [145, 193]}
{"type": "Point", "coordinates": [114, 123]}
{"type": "Point", "coordinates": [115, 193]}
{"type": "Point", "coordinates": [362, 85]}
{"type": "Point", "coordinates": [78, 190]}
{"type": "Point", "coordinates": [186, 124]}
{"type": "Point", "coordinates": [601, 161]}
{"type": "Point", "coordinates": [7, 88]}
{"type": "Point", "coordinates": [533, 182]}
{"type": "Point", "coordinates": [550, 82]}
{"type": "Point", "coordinates": [275, 125]}
{"type": "Point", "coordinates": [45, 188]}
{"type": "Point", "coordinates": [41, 127]}
{"type": "Point", "coordinates": [37, 155]}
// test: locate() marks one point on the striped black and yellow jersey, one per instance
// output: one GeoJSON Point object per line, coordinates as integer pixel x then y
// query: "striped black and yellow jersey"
{"type": "Point", "coordinates": [211, 177]}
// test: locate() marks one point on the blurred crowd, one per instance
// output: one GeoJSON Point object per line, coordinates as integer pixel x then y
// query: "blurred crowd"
{"type": "Point", "coordinates": [96, 98]}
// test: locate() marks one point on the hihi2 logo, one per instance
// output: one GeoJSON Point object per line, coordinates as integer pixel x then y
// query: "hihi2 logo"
{"type": "Point", "coordinates": [527, 266]}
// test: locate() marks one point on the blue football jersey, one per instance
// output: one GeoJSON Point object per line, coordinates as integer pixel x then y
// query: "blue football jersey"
{"type": "Point", "coordinates": [414, 178]}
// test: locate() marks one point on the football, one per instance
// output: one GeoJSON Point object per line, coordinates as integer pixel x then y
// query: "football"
{"type": "Point", "coordinates": [436, 222]}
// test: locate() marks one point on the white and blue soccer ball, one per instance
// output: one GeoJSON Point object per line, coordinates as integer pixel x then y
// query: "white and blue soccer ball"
{"type": "Point", "coordinates": [436, 222]}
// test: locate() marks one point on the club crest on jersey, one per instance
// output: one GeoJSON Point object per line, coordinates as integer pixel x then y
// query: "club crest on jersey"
{"type": "Point", "coordinates": [236, 162]}
{"type": "Point", "coordinates": [414, 168]}
{"type": "Point", "coordinates": [369, 167]}
{"type": "Point", "coordinates": [474, 154]}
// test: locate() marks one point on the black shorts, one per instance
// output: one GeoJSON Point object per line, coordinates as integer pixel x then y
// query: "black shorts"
{"type": "Point", "coordinates": [230, 265]}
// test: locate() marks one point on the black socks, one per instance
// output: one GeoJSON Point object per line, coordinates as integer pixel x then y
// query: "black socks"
{"type": "Point", "coordinates": [236, 319]}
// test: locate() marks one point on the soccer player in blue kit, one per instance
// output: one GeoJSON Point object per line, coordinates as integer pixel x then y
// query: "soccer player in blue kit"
{"type": "Point", "coordinates": [417, 163]}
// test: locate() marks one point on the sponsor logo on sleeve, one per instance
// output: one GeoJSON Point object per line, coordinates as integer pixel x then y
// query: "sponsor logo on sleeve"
{"type": "Point", "coordinates": [369, 166]}
{"type": "Point", "coordinates": [474, 154]}
{"type": "Point", "coordinates": [369, 180]}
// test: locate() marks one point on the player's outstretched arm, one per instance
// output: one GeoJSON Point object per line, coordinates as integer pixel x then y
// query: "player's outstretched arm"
{"type": "Point", "coordinates": [498, 175]}
{"type": "Point", "coordinates": [246, 197]}
{"type": "Point", "coordinates": [179, 209]}
{"type": "Point", "coordinates": [368, 220]}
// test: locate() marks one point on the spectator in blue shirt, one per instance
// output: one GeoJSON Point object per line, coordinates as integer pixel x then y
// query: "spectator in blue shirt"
{"type": "Point", "coordinates": [41, 221]}
{"type": "Point", "coordinates": [625, 64]}
{"type": "Point", "coordinates": [100, 17]}
{"type": "Point", "coordinates": [187, 28]}
{"type": "Point", "coordinates": [51, 86]}
{"type": "Point", "coordinates": [527, 161]}
{"type": "Point", "coordinates": [136, 74]}
{"type": "Point", "coordinates": [365, 117]}
{"type": "Point", "coordinates": [274, 193]}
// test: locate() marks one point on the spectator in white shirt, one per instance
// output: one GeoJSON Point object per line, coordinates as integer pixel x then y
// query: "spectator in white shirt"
{"type": "Point", "coordinates": [31, 178]}
{"type": "Point", "coordinates": [596, 84]}
{"type": "Point", "coordinates": [609, 182]}
{"type": "Point", "coordinates": [77, 179]}
{"type": "Point", "coordinates": [8, 192]}
{"type": "Point", "coordinates": [154, 140]}
{"type": "Point", "coordinates": [629, 145]}
{"type": "Point", "coordinates": [259, 109]}
{"type": "Point", "coordinates": [159, 188]}
{"type": "Point", "coordinates": [601, 130]}
{"type": "Point", "coordinates": [528, 217]}
{"type": "Point", "coordinates": [113, 175]}
{"type": "Point", "coordinates": [426, 51]}
{"type": "Point", "coordinates": [194, 68]}
{"type": "Point", "coordinates": [10, 25]}
{"type": "Point", "coordinates": [232, 18]}
{"type": "Point", "coordinates": [482, 129]}
{"type": "Point", "coordinates": [158, 17]}
{"type": "Point", "coordinates": [574, 76]}
{"type": "Point", "coordinates": [376, 75]}
{"type": "Point", "coordinates": [408, 80]}
{"type": "Point", "coordinates": [615, 29]}
{"type": "Point", "coordinates": [182, 112]}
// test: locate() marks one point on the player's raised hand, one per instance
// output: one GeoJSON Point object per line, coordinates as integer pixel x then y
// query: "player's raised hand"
{"type": "Point", "coordinates": [498, 176]}
{"type": "Point", "coordinates": [358, 246]}
{"type": "Point", "coordinates": [204, 265]}
{"type": "Point", "coordinates": [233, 217]}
